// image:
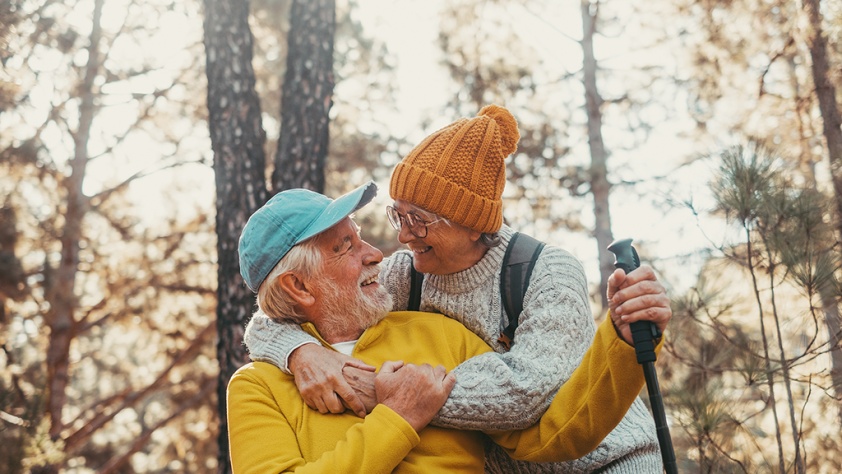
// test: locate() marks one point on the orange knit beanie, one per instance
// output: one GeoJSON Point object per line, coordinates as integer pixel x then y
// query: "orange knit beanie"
{"type": "Point", "coordinates": [459, 172]}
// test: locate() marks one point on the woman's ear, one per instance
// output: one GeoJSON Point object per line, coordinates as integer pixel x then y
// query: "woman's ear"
{"type": "Point", "coordinates": [295, 288]}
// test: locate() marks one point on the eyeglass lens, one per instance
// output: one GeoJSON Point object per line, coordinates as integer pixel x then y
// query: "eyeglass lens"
{"type": "Point", "coordinates": [417, 226]}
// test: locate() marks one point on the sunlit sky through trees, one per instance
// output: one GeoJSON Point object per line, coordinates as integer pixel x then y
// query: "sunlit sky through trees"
{"type": "Point", "coordinates": [409, 29]}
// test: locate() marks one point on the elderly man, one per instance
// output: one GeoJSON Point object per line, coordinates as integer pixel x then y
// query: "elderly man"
{"type": "Point", "coordinates": [303, 255]}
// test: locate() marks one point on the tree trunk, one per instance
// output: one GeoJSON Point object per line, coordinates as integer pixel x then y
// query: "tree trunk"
{"type": "Point", "coordinates": [826, 94]}
{"type": "Point", "coordinates": [600, 187]}
{"type": "Point", "coordinates": [61, 294]}
{"type": "Point", "coordinates": [237, 140]}
{"type": "Point", "coordinates": [832, 127]}
{"type": "Point", "coordinates": [306, 97]}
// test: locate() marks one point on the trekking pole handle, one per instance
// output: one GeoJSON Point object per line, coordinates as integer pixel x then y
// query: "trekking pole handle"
{"type": "Point", "coordinates": [644, 333]}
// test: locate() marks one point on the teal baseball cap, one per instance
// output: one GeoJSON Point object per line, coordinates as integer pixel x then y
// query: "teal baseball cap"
{"type": "Point", "coordinates": [287, 219]}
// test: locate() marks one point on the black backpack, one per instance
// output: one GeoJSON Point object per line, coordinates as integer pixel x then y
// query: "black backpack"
{"type": "Point", "coordinates": [518, 263]}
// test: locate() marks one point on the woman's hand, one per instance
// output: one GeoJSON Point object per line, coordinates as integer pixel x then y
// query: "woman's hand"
{"type": "Point", "coordinates": [638, 296]}
{"type": "Point", "coordinates": [319, 379]}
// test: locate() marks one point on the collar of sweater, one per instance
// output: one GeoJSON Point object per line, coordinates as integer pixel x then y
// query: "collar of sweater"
{"type": "Point", "coordinates": [480, 274]}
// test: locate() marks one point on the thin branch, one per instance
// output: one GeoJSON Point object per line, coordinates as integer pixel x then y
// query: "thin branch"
{"type": "Point", "coordinates": [114, 464]}
{"type": "Point", "coordinates": [724, 452]}
{"type": "Point", "coordinates": [78, 438]}
{"type": "Point", "coordinates": [104, 194]}
{"type": "Point", "coordinates": [775, 57]}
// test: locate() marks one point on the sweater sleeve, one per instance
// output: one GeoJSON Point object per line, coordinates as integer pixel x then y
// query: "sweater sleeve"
{"type": "Point", "coordinates": [395, 272]}
{"type": "Point", "coordinates": [510, 390]}
{"type": "Point", "coordinates": [273, 342]}
{"type": "Point", "coordinates": [254, 418]}
{"type": "Point", "coordinates": [270, 341]}
{"type": "Point", "coordinates": [587, 407]}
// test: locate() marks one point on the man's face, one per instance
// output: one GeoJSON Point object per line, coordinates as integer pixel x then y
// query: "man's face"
{"type": "Point", "coordinates": [346, 287]}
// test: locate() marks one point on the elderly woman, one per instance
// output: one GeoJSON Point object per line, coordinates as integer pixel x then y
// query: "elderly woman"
{"type": "Point", "coordinates": [448, 211]}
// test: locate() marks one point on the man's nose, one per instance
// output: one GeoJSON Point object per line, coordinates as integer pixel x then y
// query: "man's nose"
{"type": "Point", "coordinates": [372, 255]}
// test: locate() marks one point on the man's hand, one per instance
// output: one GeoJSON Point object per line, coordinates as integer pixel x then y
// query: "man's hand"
{"type": "Point", "coordinates": [637, 296]}
{"type": "Point", "coordinates": [362, 381]}
{"type": "Point", "coordinates": [318, 376]}
{"type": "Point", "coordinates": [415, 392]}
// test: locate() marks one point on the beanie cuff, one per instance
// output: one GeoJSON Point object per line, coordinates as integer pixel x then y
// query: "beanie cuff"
{"type": "Point", "coordinates": [436, 194]}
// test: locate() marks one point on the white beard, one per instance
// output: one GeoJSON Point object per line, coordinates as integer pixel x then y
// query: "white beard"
{"type": "Point", "coordinates": [347, 309]}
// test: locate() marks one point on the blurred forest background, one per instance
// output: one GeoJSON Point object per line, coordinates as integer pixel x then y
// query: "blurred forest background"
{"type": "Point", "coordinates": [137, 136]}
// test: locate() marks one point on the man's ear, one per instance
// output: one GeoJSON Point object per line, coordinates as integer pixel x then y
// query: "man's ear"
{"type": "Point", "coordinates": [295, 287]}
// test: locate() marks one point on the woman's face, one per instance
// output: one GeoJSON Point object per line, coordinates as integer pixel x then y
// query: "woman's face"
{"type": "Point", "coordinates": [447, 248]}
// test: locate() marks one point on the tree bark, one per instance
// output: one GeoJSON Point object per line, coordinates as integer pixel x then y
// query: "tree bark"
{"type": "Point", "coordinates": [826, 94]}
{"type": "Point", "coordinates": [832, 128]}
{"type": "Point", "coordinates": [306, 97]}
{"type": "Point", "coordinates": [237, 140]}
{"type": "Point", "coordinates": [600, 187]}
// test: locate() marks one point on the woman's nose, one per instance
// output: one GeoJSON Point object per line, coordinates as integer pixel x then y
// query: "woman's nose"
{"type": "Point", "coordinates": [404, 235]}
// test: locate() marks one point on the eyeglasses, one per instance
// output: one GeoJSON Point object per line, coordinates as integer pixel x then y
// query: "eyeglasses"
{"type": "Point", "coordinates": [417, 225]}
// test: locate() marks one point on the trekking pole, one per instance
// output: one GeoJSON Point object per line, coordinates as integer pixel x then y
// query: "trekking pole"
{"type": "Point", "coordinates": [644, 334]}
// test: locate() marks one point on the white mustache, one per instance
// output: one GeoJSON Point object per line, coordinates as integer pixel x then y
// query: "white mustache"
{"type": "Point", "coordinates": [370, 277]}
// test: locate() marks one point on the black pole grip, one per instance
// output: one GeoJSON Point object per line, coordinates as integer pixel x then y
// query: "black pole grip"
{"type": "Point", "coordinates": [644, 333]}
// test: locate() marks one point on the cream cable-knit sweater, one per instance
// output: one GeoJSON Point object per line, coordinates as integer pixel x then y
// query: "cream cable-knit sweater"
{"type": "Point", "coordinates": [504, 390]}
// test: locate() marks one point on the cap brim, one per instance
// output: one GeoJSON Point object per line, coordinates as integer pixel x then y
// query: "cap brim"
{"type": "Point", "coordinates": [340, 208]}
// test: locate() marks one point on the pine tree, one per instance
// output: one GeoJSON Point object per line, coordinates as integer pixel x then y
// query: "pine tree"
{"type": "Point", "coordinates": [237, 139]}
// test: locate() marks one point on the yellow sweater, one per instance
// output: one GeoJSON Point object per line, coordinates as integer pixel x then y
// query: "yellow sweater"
{"type": "Point", "coordinates": [272, 430]}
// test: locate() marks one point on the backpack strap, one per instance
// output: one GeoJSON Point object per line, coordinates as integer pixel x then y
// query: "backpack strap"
{"type": "Point", "coordinates": [518, 263]}
{"type": "Point", "coordinates": [416, 278]}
